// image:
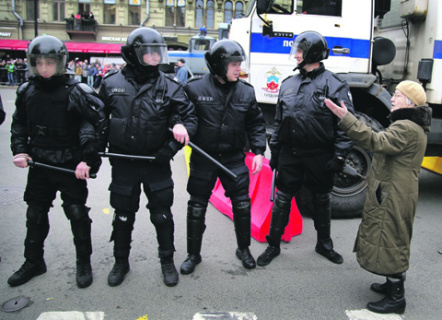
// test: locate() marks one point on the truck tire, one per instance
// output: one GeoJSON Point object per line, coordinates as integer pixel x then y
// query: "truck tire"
{"type": "Point", "coordinates": [348, 193]}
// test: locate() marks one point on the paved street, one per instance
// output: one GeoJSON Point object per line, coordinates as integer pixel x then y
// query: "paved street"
{"type": "Point", "coordinates": [297, 285]}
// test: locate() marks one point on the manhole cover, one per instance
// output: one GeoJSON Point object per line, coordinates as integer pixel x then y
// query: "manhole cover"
{"type": "Point", "coordinates": [15, 304]}
{"type": "Point", "coordinates": [9, 195]}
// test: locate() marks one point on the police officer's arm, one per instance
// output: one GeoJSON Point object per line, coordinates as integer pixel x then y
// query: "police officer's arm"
{"type": "Point", "coordinates": [183, 112]}
{"type": "Point", "coordinates": [93, 127]}
{"type": "Point", "coordinates": [256, 131]}
{"type": "Point", "coordinates": [343, 144]}
{"type": "Point", "coordinates": [19, 130]}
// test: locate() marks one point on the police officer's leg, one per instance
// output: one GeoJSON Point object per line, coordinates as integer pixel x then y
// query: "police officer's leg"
{"type": "Point", "coordinates": [320, 182]}
{"type": "Point", "coordinates": [242, 222]}
{"type": "Point", "coordinates": [37, 225]}
{"type": "Point", "coordinates": [201, 182]}
{"type": "Point", "coordinates": [160, 196]}
{"type": "Point", "coordinates": [196, 213]}
{"type": "Point", "coordinates": [124, 198]}
{"type": "Point", "coordinates": [289, 180]}
{"type": "Point", "coordinates": [39, 194]}
{"type": "Point", "coordinates": [78, 215]}
{"type": "Point", "coordinates": [280, 218]}
{"type": "Point", "coordinates": [122, 226]}
{"type": "Point", "coordinates": [238, 192]}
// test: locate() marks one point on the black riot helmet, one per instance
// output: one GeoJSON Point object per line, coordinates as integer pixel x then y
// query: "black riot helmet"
{"type": "Point", "coordinates": [47, 47]}
{"type": "Point", "coordinates": [221, 53]}
{"type": "Point", "coordinates": [313, 45]}
{"type": "Point", "coordinates": [145, 41]}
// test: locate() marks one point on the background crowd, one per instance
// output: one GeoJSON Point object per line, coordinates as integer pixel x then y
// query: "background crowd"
{"type": "Point", "coordinates": [14, 72]}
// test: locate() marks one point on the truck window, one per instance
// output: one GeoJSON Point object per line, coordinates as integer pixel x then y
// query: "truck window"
{"type": "Point", "coordinates": [393, 17]}
{"type": "Point", "coordinates": [201, 45]}
{"type": "Point", "coordinates": [320, 7]}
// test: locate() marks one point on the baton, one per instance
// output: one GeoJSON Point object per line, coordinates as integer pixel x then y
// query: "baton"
{"type": "Point", "coordinates": [124, 156]}
{"type": "Point", "coordinates": [47, 166]}
{"type": "Point", "coordinates": [272, 194]}
{"type": "Point", "coordinates": [213, 160]}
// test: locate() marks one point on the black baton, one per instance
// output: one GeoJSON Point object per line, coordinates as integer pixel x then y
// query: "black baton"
{"type": "Point", "coordinates": [47, 166]}
{"type": "Point", "coordinates": [124, 156]}
{"type": "Point", "coordinates": [272, 194]}
{"type": "Point", "coordinates": [213, 160]}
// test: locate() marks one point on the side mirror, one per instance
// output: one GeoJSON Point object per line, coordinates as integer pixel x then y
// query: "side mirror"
{"type": "Point", "coordinates": [264, 6]}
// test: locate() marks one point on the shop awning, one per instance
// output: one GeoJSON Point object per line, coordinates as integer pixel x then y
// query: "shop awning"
{"type": "Point", "coordinates": [87, 47]}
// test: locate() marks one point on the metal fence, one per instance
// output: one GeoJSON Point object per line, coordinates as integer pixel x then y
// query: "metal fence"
{"type": "Point", "coordinates": [20, 76]}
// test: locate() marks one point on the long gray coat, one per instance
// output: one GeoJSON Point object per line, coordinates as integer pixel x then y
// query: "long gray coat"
{"type": "Point", "coordinates": [383, 241]}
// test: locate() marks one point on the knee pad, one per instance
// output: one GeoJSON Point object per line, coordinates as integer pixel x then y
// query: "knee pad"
{"type": "Point", "coordinates": [160, 217]}
{"type": "Point", "coordinates": [37, 215]}
{"type": "Point", "coordinates": [123, 219]}
{"type": "Point", "coordinates": [76, 212]}
{"type": "Point", "coordinates": [321, 198]}
{"type": "Point", "coordinates": [283, 200]}
{"type": "Point", "coordinates": [241, 208]}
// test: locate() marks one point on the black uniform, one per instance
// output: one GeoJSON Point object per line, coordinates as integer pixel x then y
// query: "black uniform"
{"type": "Point", "coordinates": [142, 108]}
{"type": "Point", "coordinates": [308, 148]}
{"type": "Point", "coordinates": [228, 117]}
{"type": "Point", "coordinates": [61, 123]}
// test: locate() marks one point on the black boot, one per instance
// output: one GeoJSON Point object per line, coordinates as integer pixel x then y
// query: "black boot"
{"type": "Point", "coordinates": [280, 219]}
{"type": "Point", "coordinates": [170, 274]}
{"type": "Point", "coordinates": [246, 257]}
{"type": "Point", "coordinates": [394, 301]}
{"type": "Point", "coordinates": [27, 271]}
{"type": "Point", "coordinates": [322, 219]}
{"type": "Point", "coordinates": [119, 270]}
{"type": "Point", "coordinates": [241, 221]}
{"type": "Point", "coordinates": [84, 273]}
{"type": "Point", "coordinates": [189, 265]}
{"type": "Point", "coordinates": [195, 229]}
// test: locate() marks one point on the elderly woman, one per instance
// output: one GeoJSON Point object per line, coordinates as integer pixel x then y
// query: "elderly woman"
{"type": "Point", "coordinates": [383, 241]}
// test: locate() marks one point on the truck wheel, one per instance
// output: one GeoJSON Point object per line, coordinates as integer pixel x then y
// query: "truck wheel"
{"type": "Point", "coordinates": [348, 194]}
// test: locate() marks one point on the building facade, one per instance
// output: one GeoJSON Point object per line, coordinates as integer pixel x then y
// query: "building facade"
{"type": "Point", "coordinates": [109, 22]}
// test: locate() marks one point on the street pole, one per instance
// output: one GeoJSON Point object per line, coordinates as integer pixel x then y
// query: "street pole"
{"type": "Point", "coordinates": [36, 18]}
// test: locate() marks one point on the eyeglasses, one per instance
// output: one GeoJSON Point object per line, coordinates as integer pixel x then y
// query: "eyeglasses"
{"type": "Point", "coordinates": [398, 95]}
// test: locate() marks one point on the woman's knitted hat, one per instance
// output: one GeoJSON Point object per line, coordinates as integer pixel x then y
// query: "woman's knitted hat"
{"type": "Point", "coordinates": [414, 91]}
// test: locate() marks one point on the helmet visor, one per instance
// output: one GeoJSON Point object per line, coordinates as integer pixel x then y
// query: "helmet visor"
{"type": "Point", "coordinates": [152, 54]}
{"type": "Point", "coordinates": [47, 65]}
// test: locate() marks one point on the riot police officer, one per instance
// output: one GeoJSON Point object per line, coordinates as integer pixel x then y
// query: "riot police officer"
{"type": "Point", "coordinates": [59, 122]}
{"type": "Point", "coordinates": [228, 114]}
{"type": "Point", "coordinates": [307, 147]}
{"type": "Point", "coordinates": [142, 103]}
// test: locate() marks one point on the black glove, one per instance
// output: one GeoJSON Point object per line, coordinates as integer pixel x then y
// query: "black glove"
{"type": "Point", "coordinates": [166, 153]}
{"type": "Point", "coordinates": [336, 164]}
{"type": "Point", "coordinates": [273, 163]}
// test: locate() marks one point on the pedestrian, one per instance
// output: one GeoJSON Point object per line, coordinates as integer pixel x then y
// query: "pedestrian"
{"type": "Point", "coordinates": [91, 72]}
{"type": "Point", "coordinates": [61, 123]}
{"type": "Point", "coordinates": [78, 71]}
{"type": "Point", "coordinates": [228, 115]}
{"type": "Point", "coordinates": [384, 236]}
{"type": "Point", "coordinates": [307, 148]}
{"type": "Point", "coordinates": [10, 68]}
{"type": "Point", "coordinates": [181, 71]}
{"type": "Point", "coordinates": [142, 103]}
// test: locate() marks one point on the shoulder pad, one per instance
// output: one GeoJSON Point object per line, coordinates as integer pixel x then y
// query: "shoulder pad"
{"type": "Point", "coordinates": [110, 73]}
{"type": "Point", "coordinates": [337, 77]}
{"type": "Point", "coordinates": [23, 87]}
{"type": "Point", "coordinates": [85, 88]}
{"type": "Point", "coordinates": [71, 82]}
{"type": "Point", "coordinates": [287, 78]}
{"type": "Point", "coordinates": [193, 79]}
{"type": "Point", "coordinates": [245, 82]}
